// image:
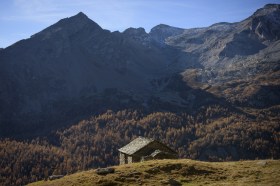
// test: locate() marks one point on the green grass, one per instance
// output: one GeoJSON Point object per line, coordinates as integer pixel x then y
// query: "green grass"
{"type": "Point", "coordinates": [182, 171]}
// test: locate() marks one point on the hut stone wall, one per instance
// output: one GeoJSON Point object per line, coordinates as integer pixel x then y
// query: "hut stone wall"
{"type": "Point", "coordinates": [122, 158]}
{"type": "Point", "coordinates": [130, 159]}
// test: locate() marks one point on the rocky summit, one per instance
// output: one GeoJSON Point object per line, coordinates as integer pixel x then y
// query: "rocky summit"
{"type": "Point", "coordinates": [74, 69]}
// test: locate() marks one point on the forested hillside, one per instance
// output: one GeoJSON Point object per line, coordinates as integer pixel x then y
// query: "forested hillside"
{"type": "Point", "coordinates": [215, 134]}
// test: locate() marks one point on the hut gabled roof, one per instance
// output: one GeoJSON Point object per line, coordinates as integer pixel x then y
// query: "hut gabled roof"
{"type": "Point", "coordinates": [135, 145]}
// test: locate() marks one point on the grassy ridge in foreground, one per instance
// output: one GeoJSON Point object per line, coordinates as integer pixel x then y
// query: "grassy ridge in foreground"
{"type": "Point", "coordinates": [179, 172]}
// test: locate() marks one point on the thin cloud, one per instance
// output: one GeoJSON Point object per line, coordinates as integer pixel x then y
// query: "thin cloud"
{"type": "Point", "coordinates": [33, 6]}
{"type": "Point", "coordinates": [108, 13]}
{"type": "Point", "coordinates": [35, 10]}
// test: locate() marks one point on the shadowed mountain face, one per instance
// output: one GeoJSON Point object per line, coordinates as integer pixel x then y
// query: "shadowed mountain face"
{"type": "Point", "coordinates": [75, 68]}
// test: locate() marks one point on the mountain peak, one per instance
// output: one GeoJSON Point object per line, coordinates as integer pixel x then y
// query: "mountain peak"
{"type": "Point", "coordinates": [69, 25]}
{"type": "Point", "coordinates": [165, 27]}
{"type": "Point", "coordinates": [79, 18]}
{"type": "Point", "coordinates": [137, 34]}
{"type": "Point", "coordinates": [270, 6]}
{"type": "Point", "coordinates": [162, 26]}
{"type": "Point", "coordinates": [265, 22]}
{"type": "Point", "coordinates": [133, 31]}
{"type": "Point", "coordinates": [267, 9]}
{"type": "Point", "coordinates": [160, 32]}
{"type": "Point", "coordinates": [81, 14]}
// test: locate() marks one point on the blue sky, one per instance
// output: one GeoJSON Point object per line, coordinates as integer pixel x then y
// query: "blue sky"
{"type": "Point", "coordinates": [19, 19]}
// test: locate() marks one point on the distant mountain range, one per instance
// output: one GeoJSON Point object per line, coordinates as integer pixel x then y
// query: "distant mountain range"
{"type": "Point", "coordinates": [74, 69]}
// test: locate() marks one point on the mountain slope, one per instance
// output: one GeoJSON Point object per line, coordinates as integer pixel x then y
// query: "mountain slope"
{"type": "Point", "coordinates": [67, 63]}
{"type": "Point", "coordinates": [74, 69]}
{"type": "Point", "coordinates": [69, 70]}
{"type": "Point", "coordinates": [240, 61]}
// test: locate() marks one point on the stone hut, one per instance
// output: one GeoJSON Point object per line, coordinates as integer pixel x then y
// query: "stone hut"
{"type": "Point", "coordinates": [141, 149]}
